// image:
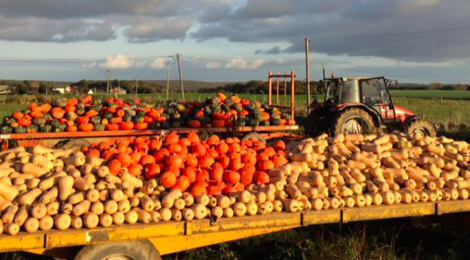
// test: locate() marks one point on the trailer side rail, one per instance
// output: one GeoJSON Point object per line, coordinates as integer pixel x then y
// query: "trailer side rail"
{"type": "Point", "coordinates": [202, 232]}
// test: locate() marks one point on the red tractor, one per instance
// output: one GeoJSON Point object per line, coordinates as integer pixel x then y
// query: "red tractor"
{"type": "Point", "coordinates": [362, 106]}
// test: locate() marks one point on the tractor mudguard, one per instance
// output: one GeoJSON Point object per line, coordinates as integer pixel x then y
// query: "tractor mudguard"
{"type": "Point", "coordinates": [374, 114]}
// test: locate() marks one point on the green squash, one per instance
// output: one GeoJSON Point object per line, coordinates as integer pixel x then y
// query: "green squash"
{"type": "Point", "coordinates": [138, 119]}
{"type": "Point", "coordinates": [19, 130]}
{"type": "Point", "coordinates": [264, 123]}
{"type": "Point", "coordinates": [252, 122]}
{"type": "Point", "coordinates": [139, 113]}
{"type": "Point", "coordinates": [99, 127]}
{"type": "Point", "coordinates": [127, 118]}
{"type": "Point", "coordinates": [226, 108]}
{"type": "Point", "coordinates": [216, 108]}
{"type": "Point", "coordinates": [175, 124]}
{"type": "Point", "coordinates": [60, 102]}
{"type": "Point", "coordinates": [45, 129]}
{"type": "Point", "coordinates": [55, 123]}
{"type": "Point", "coordinates": [71, 116]}
{"type": "Point", "coordinates": [39, 121]}
{"type": "Point", "coordinates": [237, 108]}
{"type": "Point", "coordinates": [6, 130]}
{"type": "Point", "coordinates": [47, 116]}
{"type": "Point", "coordinates": [108, 115]}
{"type": "Point", "coordinates": [275, 121]}
{"type": "Point", "coordinates": [95, 120]}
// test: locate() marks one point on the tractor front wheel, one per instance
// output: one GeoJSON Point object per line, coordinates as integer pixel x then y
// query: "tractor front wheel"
{"type": "Point", "coordinates": [354, 121]}
{"type": "Point", "coordinates": [316, 123]}
{"type": "Point", "coordinates": [423, 127]}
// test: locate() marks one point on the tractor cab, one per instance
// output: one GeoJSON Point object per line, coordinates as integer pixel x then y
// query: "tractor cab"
{"type": "Point", "coordinates": [360, 105]}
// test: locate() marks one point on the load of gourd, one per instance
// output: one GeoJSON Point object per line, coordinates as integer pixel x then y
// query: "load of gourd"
{"type": "Point", "coordinates": [364, 170]}
{"type": "Point", "coordinates": [44, 189]}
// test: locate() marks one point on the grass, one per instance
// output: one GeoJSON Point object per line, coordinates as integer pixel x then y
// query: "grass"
{"type": "Point", "coordinates": [374, 240]}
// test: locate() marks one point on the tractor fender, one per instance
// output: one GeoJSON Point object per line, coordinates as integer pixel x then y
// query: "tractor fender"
{"type": "Point", "coordinates": [374, 114]}
{"type": "Point", "coordinates": [410, 119]}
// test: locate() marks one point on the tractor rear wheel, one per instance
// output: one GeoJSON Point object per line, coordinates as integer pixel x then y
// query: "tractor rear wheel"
{"type": "Point", "coordinates": [419, 126]}
{"type": "Point", "coordinates": [354, 121]}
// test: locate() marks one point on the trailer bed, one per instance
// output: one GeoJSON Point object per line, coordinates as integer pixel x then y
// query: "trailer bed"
{"type": "Point", "coordinates": [170, 237]}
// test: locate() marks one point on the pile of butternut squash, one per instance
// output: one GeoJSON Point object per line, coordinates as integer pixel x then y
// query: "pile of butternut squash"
{"type": "Point", "coordinates": [44, 189]}
{"type": "Point", "coordinates": [363, 170]}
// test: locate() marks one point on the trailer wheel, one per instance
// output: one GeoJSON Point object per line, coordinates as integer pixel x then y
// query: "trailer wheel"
{"type": "Point", "coordinates": [254, 135]}
{"type": "Point", "coordinates": [134, 250]}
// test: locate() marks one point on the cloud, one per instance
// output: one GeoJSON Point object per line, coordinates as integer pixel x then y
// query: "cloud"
{"type": "Point", "coordinates": [213, 65]}
{"type": "Point", "coordinates": [333, 27]}
{"type": "Point", "coordinates": [158, 63]}
{"type": "Point", "coordinates": [154, 29]}
{"type": "Point", "coordinates": [238, 63]}
{"type": "Point", "coordinates": [44, 30]}
{"type": "Point", "coordinates": [118, 62]}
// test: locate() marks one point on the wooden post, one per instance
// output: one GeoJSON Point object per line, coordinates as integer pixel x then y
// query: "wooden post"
{"type": "Point", "coordinates": [181, 76]}
{"type": "Point", "coordinates": [307, 67]}
{"type": "Point", "coordinates": [168, 80]}
{"type": "Point", "coordinates": [285, 89]}
{"type": "Point", "coordinates": [277, 88]}
{"type": "Point", "coordinates": [270, 88]}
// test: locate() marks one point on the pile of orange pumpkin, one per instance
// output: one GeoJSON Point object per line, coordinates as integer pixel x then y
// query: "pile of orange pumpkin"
{"type": "Point", "coordinates": [214, 166]}
{"type": "Point", "coordinates": [113, 114]}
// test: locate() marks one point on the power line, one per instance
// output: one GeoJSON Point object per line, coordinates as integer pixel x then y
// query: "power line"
{"type": "Point", "coordinates": [393, 34]}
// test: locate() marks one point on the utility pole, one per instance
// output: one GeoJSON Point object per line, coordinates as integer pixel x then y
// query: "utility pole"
{"type": "Point", "coordinates": [119, 87]}
{"type": "Point", "coordinates": [107, 85]}
{"type": "Point", "coordinates": [181, 76]}
{"type": "Point", "coordinates": [307, 67]}
{"type": "Point", "coordinates": [136, 82]}
{"type": "Point", "coordinates": [324, 76]}
{"type": "Point", "coordinates": [168, 80]}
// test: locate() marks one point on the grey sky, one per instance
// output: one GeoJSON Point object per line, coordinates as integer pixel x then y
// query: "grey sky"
{"type": "Point", "coordinates": [229, 40]}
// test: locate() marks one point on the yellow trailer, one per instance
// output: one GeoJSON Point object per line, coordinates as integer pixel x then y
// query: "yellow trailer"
{"type": "Point", "coordinates": [142, 242]}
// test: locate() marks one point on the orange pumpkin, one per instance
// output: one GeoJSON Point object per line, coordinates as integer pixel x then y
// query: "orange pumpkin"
{"type": "Point", "coordinates": [124, 158]}
{"type": "Point", "coordinates": [217, 172]}
{"type": "Point", "coordinates": [231, 177]}
{"type": "Point", "coordinates": [114, 167]}
{"type": "Point", "coordinates": [135, 169]}
{"type": "Point", "coordinates": [168, 179]}
{"type": "Point", "coordinates": [152, 171]}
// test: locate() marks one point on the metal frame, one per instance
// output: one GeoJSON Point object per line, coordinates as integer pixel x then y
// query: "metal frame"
{"type": "Point", "coordinates": [172, 237]}
{"type": "Point", "coordinates": [49, 139]}
{"type": "Point", "coordinates": [292, 85]}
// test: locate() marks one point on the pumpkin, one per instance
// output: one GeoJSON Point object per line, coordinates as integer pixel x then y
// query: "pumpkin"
{"type": "Point", "coordinates": [141, 126]}
{"type": "Point", "coordinates": [218, 123]}
{"type": "Point", "coordinates": [85, 127]}
{"type": "Point", "coordinates": [126, 125]}
{"type": "Point", "coordinates": [194, 124]}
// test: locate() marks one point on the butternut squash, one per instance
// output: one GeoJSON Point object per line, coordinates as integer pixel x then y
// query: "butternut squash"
{"type": "Point", "coordinates": [65, 187]}
{"type": "Point", "coordinates": [118, 218]}
{"type": "Point", "coordinates": [8, 192]}
{"type": "Point", "coordinates": [90, 220]}
{"type": "Point", "coordinates": [46, 223]}
{"type": "Point", "coordinates": [110, 207]}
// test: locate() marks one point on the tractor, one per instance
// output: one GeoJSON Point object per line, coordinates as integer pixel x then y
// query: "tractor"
{"type": "Point", "coordinates": [360, 105]}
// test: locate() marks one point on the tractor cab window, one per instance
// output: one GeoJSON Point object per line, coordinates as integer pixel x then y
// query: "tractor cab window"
{"type": "Point", "coordinates": [374, 91]}
{"type": "Point", "coordinates": [333, 93]}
